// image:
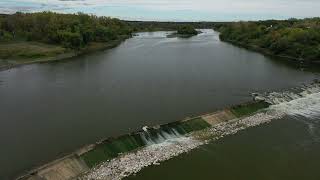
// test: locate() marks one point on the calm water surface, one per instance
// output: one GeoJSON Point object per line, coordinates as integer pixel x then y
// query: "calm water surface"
{"type": "Point", "coordinates": [286, 149]}
{"type": "Point", "coordinates": [49, 109]}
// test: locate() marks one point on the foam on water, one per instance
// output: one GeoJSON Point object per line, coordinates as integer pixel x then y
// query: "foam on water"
{"type": "Point", "coordinates": [299, 102]}
{"type": "Point", "coordinates": [289, 95]}
{"type": "Point", "coordinates": [303, 106]}
{"type": "Point", "coordinates": [154, 153]}
{"type": "Point", "coordinates": [307, 106]}
{"type": "Point", "coordinates": [159, 136]}
{"type": "Point", "coordinates": [303, 101]}
{"type": "Point", "coordinates": [131, 163]}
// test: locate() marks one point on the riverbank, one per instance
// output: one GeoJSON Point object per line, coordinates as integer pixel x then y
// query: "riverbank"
{"type": "Point", "coordinates": [294, 39]}
{"type": "Point", "coordinates": [42, 53]}
{"type": "Point", "coordinates": [88, 158]}
{"type": "Point", "coordinates": [267, 52]}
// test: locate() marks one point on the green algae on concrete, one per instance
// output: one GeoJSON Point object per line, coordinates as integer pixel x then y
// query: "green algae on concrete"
{"type": "Point", "coordinates": [248, 108]}
{"type": "Point", "coordinates": [112, 148]}
{"type": "Point", "coordinates": [187, 126]}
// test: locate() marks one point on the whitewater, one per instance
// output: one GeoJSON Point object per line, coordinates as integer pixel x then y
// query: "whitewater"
{"type": "Point", "coordinates": [297, 102]}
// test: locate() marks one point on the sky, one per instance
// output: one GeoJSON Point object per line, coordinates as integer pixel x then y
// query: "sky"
{"type": "Point", "coordinates": [173, 10]}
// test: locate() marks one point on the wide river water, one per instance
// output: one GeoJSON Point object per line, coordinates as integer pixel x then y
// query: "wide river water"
{"type": "Point", "coordinates": [47, 110]}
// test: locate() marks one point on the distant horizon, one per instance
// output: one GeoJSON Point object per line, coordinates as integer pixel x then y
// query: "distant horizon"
{"type": "Point", "coordinates": [174, 10]}
{"type": "Point", "coordinates": [133, 20]}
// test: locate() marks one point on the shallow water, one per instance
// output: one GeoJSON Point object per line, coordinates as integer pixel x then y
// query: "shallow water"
{"type": "Point", "coordinates": [287, 148]}
{"type": "Point", "coordinates": [283, 149]}
{"type": "Point", "coordinates": [53, 108]}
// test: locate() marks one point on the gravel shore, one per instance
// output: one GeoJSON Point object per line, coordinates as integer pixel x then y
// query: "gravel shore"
{"type": "Point", "coordinates": [133, 162]}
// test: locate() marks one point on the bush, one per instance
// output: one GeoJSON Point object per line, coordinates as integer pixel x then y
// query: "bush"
{"type": "Point", "coordinates": [5, 36]}
{"type": "Point", "coordinates": [187, 29]}
{"type": "Point", "coordinates": [70, 39]}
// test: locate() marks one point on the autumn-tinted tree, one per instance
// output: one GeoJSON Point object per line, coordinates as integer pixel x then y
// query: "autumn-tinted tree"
{"type": "Point", "coordinates": [295, 38]}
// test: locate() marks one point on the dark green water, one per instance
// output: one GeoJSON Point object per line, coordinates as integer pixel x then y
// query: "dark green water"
{"type": "Point", "coordinates": [47, 110]}
{"type": "Point", "coordinates": [285, 149]}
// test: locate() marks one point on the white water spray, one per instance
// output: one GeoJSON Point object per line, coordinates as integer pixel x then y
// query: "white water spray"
{"type": "Point", "coordinates": [304, 101]}
{"type": "Point", "coordinates": [303, 106]}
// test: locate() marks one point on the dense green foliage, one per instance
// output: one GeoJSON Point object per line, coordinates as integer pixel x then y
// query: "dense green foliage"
{"type": "Point", "coordinates": [187, 30]}
{"type": "Point", "coordinates": [166, 26]}
{"type": "Point", "coordinates": [70, 30]}
{"type": "Point", "coordinates": [298, 39]}
{"type": "Point", "coordinates": [78, 30]}
{"type": "Point", "coordinates": [48, 36]}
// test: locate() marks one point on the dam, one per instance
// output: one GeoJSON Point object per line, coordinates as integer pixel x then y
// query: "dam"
{"type": "Point", "coordinates": [119, 157]}
{"type": "Point", "coordinates": [82, 160]}
{"type": "Point", "coordinates": [100, 95]}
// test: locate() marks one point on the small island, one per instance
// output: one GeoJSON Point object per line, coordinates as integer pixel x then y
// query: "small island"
{"type": "Point", "coordinates": [185, 31]}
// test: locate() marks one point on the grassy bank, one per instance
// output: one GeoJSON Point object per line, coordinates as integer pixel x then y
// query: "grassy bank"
{"type": "Point", "coordinates": [47, 36]}
{"type": "Point", "coordinates": [269, 53]}
{"type": "Point", "coordinates": [24, 52]}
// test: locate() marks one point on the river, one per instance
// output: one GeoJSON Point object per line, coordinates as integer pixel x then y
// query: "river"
{"type": "Point", "coordinates": [50, 109]}
{"type": "Point", "coordinates": [284, 149]}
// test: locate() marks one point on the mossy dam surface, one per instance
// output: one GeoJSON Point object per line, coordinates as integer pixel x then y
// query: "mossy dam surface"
{"type": "Point", "coordinates": [81, 161]}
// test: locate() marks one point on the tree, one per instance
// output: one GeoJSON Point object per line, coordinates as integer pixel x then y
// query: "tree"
{"type": "Point", "coordinates": [187, 29]}
{"type": "Point", "coordinates": [295, 38]}
{"type": "Point", "coordinates": [69, 30]}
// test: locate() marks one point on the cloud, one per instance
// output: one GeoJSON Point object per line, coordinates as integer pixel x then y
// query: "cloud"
{"type": "Point", "coordinates": [174, 9]}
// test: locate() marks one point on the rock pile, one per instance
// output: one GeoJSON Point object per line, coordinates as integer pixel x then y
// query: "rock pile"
{"type": "Point", "coordinates": [133, 162]}
{"type": "Point", "coordinates": [232, 127]}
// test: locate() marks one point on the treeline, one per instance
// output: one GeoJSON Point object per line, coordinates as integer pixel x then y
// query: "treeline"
{"type": "Point", "coordinates": [166, 26]}
{"type": "Point", "coordinates": [70, 30]}
{"type": "Point", "coordinates": [297, 39]}
{"type": "Point", "coordinates": [77, 30]}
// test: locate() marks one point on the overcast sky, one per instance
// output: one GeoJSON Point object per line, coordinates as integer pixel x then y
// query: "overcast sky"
{"type": "Point", "coordinates": [173, 10]}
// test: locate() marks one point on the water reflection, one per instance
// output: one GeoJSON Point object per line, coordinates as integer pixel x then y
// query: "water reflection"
{"type": "Point", "coordinates": [147, 80]}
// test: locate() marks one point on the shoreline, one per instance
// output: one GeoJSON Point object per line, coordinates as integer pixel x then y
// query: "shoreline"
{"type": "Point", "coordinates": [266, 52]}
{"type": "Point", "coordinates": [95, 47]}
{"type": "Point", "coordinates": [75, 164]}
